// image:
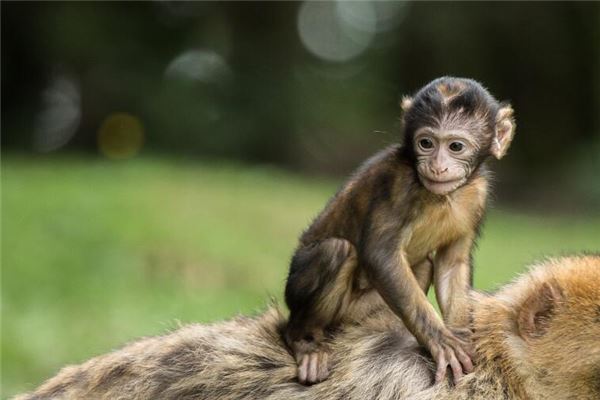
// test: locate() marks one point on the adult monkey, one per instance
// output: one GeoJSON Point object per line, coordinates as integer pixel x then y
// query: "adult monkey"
{"type": "Point", "coordinates": [408, 216]}
{"type": "Point", "coordinates": [537, 339]}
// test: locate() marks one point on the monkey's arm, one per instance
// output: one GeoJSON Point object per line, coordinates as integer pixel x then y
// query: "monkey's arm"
{"type": "Point", "coordinates": [390, 274]}
{"type": "Point", "coordinates": [396, 283]}
{"type": "Point", "coordinates": [452, 281]}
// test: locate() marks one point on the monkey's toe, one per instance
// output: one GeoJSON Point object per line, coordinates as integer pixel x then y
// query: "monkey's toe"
{"type": "Point", "coordinates": [313, 368]}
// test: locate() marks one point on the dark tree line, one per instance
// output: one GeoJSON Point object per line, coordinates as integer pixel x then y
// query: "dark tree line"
{"type": "Point", "coordinates": [277, 102]}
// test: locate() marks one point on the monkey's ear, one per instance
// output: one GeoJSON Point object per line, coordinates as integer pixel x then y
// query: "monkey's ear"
{"type": "Point", "coordinates": [503, 132]}
{"type": "Point", "coordinates": [537, 311]}
{"type": "Point", "coordinates": [406, 103]}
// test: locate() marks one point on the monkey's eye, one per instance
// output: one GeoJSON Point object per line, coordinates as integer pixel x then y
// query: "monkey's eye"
{"type": "Point", "coordinates": [456, 147]}
{"type": "Point", "coordinates": [426, 144]}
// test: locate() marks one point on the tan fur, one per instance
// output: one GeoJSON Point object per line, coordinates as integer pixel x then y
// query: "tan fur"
{"type": "Point", "coordinates": [424, 274]}
{"type": "Point", "coordinates": [452, 286]}
{"type": "Point", "coordinates": [453, 216]}
{"type": "Point", "coordinates": [245, 358]}
{"type": "Point", "coordinates": [563, 361]}
{"type": "Point", "coordinates": [406, 103]}
{"type": "Point", "coordinates": [450, 91]}
{"type": "Point", "coordinates": [341, 287]}
{"type": "Point", "coordinates": [505, 131]}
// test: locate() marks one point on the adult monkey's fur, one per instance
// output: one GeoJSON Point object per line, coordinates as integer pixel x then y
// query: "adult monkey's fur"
{"type": "Point", "coordinates": [537, 338]}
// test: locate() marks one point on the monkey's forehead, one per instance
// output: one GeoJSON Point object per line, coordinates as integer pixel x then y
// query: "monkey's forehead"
{"type": "Point", "coordinates": [457, 122]}
{"type": "Point", "coordinates": [452, 111]}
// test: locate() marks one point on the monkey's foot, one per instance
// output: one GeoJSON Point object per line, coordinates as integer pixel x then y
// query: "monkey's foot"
{"type": "Point", "coordinates": [454, 353]}
{"type": "Point", "coordinates": [313, 362]}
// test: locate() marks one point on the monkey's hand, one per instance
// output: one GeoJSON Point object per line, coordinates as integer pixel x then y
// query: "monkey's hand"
{"type": "Point", "coordinates": [454, 352]}
{"type": "Point", "coordinates": [313, 361]}
{"type": "Point", "coordinates": [463, 334]}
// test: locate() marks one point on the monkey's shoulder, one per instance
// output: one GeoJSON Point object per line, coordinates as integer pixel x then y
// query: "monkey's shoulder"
{"type": "Point", "coordinates": [382, 174]}
{"type": "Point", "coordinates": [385, 158]}
{"type": "Point", "coordinates": [378, 174]}
{"type": "Point", "coordinates": [373, 182]}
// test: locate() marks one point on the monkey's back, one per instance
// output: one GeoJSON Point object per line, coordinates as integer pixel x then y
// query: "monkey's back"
{"type": "Point", "coordinates": [244, 358]}
{"type": "Point", "coordinates": [377, 179]}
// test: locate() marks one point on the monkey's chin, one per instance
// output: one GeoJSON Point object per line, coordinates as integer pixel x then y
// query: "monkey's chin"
{"type": "Point", "coordinates": [442, 187]}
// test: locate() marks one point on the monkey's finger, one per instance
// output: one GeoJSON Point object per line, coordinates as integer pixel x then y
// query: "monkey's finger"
{"type": "Point", "coordinates": [323, 369]}
{"type": "Point", "coordinates": [465, 360]}
{"type": "Point", "coordinates": [457, 371]}
{"type": "Point", "coordinates": [303, 369]}
{"type": "Point", "coordinates": [466, 345]}
{"type": "Point", "coordinates": [312, 368]}
{"type": "Point", "coordinates": [471, 353]}
{"type": "Point", "coordinates": [442, 365]}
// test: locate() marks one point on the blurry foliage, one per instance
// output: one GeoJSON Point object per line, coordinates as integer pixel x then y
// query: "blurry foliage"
{"type": "Point", "coordinates": [268, 99]}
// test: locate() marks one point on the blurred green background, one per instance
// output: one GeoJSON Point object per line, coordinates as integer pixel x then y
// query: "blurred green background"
{"type": "Point", "coordinates": [160, 159]}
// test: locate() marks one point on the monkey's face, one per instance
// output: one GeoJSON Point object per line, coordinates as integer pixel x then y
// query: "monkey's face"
{"type": "Point", "coordinates": [444, 158]}
{"type": "Point", "coordinates": [451, 126]}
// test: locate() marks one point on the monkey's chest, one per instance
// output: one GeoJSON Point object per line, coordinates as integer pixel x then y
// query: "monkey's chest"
{"type": "Point", "coordinates": [433, 229]}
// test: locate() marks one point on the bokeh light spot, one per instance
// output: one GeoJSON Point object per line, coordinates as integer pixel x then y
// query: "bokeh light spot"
{"type": "Point", "coordinates": [199, 65]}
{"type": "Point", "coordinates": [337, 31]}
{"type": "Point", "coordinates": [378, 16]}
{"type": "Point", "coordinates": [59, 119]}
{"type": "Point", "coordinates": [120, 136]}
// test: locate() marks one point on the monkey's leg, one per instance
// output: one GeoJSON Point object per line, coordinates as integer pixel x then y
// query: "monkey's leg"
{"type": "Point", "coordinates": [318, 293]}
{"type": "Point", "coordinates": [395, 281]}
{"type": "Point", "coordinates": [367, 301]}
{"type": "Point", "coordinates": [424, 273]}
{"type": "Point", "coordinates": [452, 282]}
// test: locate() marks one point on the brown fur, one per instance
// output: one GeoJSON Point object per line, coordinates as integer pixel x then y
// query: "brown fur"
{"type": "Point", "coordinates": [379, 231]}
{"type": "Point", "coordinates": [555, 355]}
{"type": "Point", "coordinates": [450, 91]}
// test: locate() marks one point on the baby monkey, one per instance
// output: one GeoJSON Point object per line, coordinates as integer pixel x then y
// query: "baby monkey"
{"type": "Point", "coordinates": [408, 217]}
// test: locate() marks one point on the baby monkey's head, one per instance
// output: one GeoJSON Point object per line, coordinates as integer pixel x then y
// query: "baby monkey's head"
{"type": "Point", "coordinates": [450, 127]}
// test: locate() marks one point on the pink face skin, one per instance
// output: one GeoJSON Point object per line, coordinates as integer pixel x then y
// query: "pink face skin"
{"type": "Point", "coordinates": [443, 158]}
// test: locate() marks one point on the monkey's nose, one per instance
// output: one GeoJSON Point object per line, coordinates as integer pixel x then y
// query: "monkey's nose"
{"type": "Point", "coordinates": [438, 171]}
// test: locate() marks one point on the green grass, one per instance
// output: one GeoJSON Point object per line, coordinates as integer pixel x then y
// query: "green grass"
{"type": "Point", "coordinates": [97, 253]}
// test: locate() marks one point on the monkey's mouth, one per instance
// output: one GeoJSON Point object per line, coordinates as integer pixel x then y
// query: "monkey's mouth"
{"type": "Point", "coordinates": [442, 187]}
